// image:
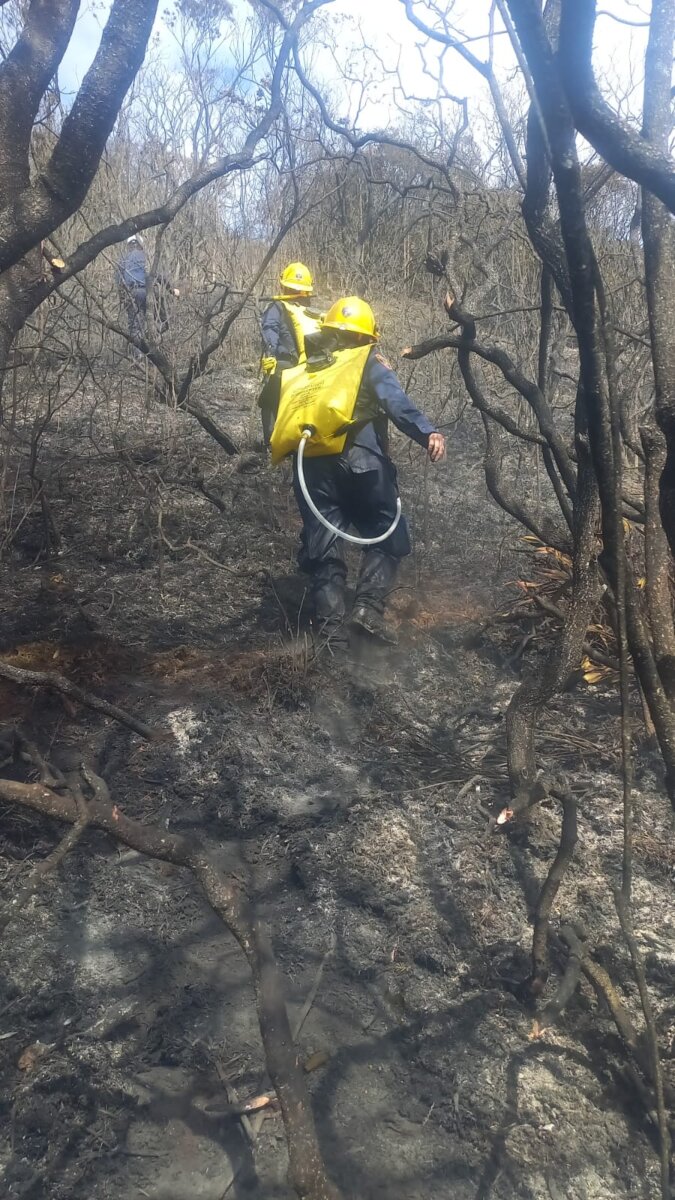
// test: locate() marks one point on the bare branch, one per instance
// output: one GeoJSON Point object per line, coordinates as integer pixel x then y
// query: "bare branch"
{"type": "Point", "coordinates": [623, 148]}
{"type": "Point", "coordinates": [66, 687]}
{"type": "Point", "coordinates": [625, 918]}
{"type": "Point", "coordinates": [49, 864]}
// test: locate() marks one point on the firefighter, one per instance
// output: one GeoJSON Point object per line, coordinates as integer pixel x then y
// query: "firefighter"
{"type": "Point", "coordinates": [355, 487]}
{"type": "Point", "coordinates": [132, 281]}
{"type": "Point", "coordinates": [286, 324]}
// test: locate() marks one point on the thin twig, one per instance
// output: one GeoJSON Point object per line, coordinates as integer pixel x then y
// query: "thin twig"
{"type": "Point", "coordinates": [234, 1102]}
{"type": "Point", "coordinates": [470, 783]}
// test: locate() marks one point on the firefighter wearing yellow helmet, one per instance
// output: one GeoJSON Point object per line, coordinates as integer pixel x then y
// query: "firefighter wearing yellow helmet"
{"type": "Point", "coordinates": [347, 480]}
{"type": "Point", "coordinates": [286, 324]}
{"type": "Point", "coordinates": [297, 278]}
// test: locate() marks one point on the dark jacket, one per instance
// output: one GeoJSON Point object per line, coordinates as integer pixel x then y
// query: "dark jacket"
{"type": "Point", "coordinates": [278, 335]}
{"type": "Point", "coordinates": [381, 396]}
{"type": "Point", "coordinates": [131, 269]}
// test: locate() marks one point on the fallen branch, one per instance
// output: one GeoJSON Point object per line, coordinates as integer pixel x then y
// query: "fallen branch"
{"type": "Point", "coordinates": [200, 483]}
{"type": "Point", "coordinates": [46, 866]}
{"type": "Point", "coordinates": [469, 786]}
{"type": "Point", "coordinates": [306, 1172]}
{"type": "Point", "coordinates": [209, 426]}
{"type": "Point", "coordinates": [252, 1126]}
{"type": "Point", "coordinates": [605, 990]}
{"type": "Point", "coordinates": [66, 687]}
{"type": "Point", "coordinates": [199, 550]}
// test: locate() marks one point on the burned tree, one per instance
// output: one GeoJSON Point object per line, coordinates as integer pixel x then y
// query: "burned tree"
{"type": "Point", "coordinates": [609, 563]}
{"type": "Point", "coordinates": [32, 208]}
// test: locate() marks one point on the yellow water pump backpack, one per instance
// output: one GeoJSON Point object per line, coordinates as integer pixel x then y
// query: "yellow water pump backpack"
{"type": "Point", "coordinates": [321, 398]}
{"type": "Point", "coordinates": [304, 322]}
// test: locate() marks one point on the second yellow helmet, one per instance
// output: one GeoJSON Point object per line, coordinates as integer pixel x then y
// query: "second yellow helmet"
{"type": "Point", "coordinates": [353, 315]}
{"type": "Point", "coordinates": [296, 277]}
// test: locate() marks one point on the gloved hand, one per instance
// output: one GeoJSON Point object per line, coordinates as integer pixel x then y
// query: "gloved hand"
{"type": "Point", "coordinates": [269, 365]}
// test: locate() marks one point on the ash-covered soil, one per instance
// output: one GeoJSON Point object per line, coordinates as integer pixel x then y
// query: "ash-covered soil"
{"type": "Point", "coordinates": [355, 800]}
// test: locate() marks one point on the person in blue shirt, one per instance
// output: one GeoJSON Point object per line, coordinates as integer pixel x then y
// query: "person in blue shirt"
{"type": "Point", "coordinates": [358, 488]}
{"type": "Point", "coordinates": [132, 281]}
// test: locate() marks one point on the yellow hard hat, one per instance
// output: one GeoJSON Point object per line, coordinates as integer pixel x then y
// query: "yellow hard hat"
{"type": "Point", "coordinates": [296, 277]}
{"type": "Point", "coordinates": [352, 315]}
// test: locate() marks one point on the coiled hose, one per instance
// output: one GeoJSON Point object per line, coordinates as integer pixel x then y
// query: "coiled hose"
{"type": "Point", "coordinates": [348, 537]}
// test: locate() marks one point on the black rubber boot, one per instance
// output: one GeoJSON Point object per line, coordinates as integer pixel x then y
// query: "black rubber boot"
{"type": "Point", "coordinates": [329, 580]}
{"type": "Point", "coordinates": [376, 580]}
{"type": "Point", "coordinates": [366, 620]}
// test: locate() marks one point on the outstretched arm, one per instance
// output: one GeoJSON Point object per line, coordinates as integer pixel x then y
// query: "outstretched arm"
{"type": "Point", "coordinates": [383, 383]}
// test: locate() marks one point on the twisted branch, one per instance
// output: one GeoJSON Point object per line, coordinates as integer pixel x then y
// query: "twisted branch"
{"type": "Point", "coordinates": [556, 874]}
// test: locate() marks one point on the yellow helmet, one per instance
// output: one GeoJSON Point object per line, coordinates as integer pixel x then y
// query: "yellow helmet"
{"type": "Point", "coordinates": [352, 315]}
{"type": "Point", "coordinates": [296, 277]}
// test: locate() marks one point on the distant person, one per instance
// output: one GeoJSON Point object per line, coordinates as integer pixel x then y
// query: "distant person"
{"type": "Point", "coordinates": [132, 280]}
{"type": "Point", "coordinates": [286, 324]}
{"type": "Point", "coordinates": [355, 486]}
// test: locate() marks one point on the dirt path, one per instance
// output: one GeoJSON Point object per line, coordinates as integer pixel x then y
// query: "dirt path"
{"type": "Point", "coordinates": [333, 788]}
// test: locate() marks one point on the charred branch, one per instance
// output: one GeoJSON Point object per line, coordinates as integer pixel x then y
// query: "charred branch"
{"type": "Point", "coordinates": [565, 656]}
{"type": "Point", "coordinates": [567, 986]}
{"type": "Point", "coordinates": [658, 563]}
{"type": "Point", "coordinates": [656, 1069]}
{"type": "Point", "coordinates": [37, 209]}
{"type": "Point", "coordinates": [59, 683]}
{"type": "Point", "coordinates": [658, 239]}
{"type": "Point", "coordinates": [637, 157]}
{"type": "Point", "coordinates": [514, 376]}
{"type": "Point", "coordinates": [549, 891]}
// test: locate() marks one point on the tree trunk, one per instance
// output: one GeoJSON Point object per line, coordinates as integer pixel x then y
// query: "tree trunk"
{"type": "Point", "coordinates": [533, 694]}
{"type": "Point", "coordinates": [658, 238]}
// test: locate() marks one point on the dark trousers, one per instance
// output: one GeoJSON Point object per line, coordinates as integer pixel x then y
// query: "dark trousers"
{"type": "Point", "coordinates": [349, 498]}
{"type": "Point", "coordinates": [136, 304]}
{"type": "Point", "coordinates": [135, 301]}
{"type": "Point", "coordinates": [268, 402]}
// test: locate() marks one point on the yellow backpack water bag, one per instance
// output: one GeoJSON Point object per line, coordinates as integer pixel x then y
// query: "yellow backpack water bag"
{"type": "Point", "coordinates": [322, 400]}
{"type": "Point", "coordinates": [304, 322]}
